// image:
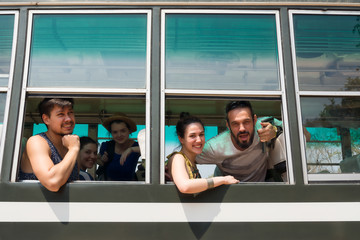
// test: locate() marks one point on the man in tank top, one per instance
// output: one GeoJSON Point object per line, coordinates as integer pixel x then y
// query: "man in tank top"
{"type": "Point", "coordinates": [51, 156]}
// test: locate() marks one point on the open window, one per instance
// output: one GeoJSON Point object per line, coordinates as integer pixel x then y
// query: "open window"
{"type": "Point", "coordinates": [90, 113]}
{"type": "Point", "coordinates": [210, 57]}
{"type": "Point", "coordinates": [100, 58]}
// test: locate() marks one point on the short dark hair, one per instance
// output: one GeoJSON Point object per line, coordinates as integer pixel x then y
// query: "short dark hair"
{"type": "Point", "coordinates": [47, 104]}
{"type": "Point", "coordinates": [238, 104]}
{"type": "Point", "coordinates": [185, 120]}
{"type": "Point", "coordinates": [86, 140]}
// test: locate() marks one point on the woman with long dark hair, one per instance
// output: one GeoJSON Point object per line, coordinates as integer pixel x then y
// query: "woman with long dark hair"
{"type": "Point", "coordinates": [182, 166]}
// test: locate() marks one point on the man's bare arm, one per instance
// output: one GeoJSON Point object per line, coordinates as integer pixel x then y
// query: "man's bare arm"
{"type": "Point", "coordinates": [50, 175]}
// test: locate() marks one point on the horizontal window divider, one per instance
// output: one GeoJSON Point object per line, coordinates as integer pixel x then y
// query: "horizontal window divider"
{"type": "Point", "coordinates": [82, 11]}
{"type": "Point", "coordinates": [307, 12]}
{"type": "Point", "coordinates": [333, 177]}
{"type": "Point", "coordinates": [4, 75]}
{"type": "Point", "coordinates": [330, 93]}
{"type": "Point", "coordinates": [88, 91]}
{"type": "Point", "coordinates": [219, 11]}
{"type": "Point", "coordinates": [4, 89]}
{"type": "Point", "coordinates": [180, 3]}
{"type": "Point", "coordinates": [202, 92]}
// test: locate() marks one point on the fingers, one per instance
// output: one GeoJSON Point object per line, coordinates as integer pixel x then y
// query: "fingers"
{"type": "Point", "coordinates": [267, 132]}
{"type": "Point", "coordinates": [104, 157]}
{"type": "Point", "coordinates": [70, 141]}
{"type": "Point", "coordinates": [124, 156]}
{"type": "Point", "coordinates": [231, 180]}
{"type": "Point", "coordinates": [122, 159]}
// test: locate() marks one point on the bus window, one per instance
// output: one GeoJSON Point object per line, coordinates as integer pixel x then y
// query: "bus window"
{"type": "Point", "coordinates": [213, 56]}
{"type": "Point", "coordinates": [100, 58]}
{"type": "Point", "coordinates": [221, 51]}
{"type": "Point", "coordinates": [8, 32]}
{"type": "Point", "coordinates": [327, 55]}
{"type": "Point", "coordinates": [6, 43]}
{"type": "Point", "coordinates": [334, 127]}
{"type": "Point", "coordinates": [90, 113]}
{"type": "Point", "coordinates": [327, 52]}
{"type": "Point", "coordinates": [102, 50]}
{"type": "Point", "coordinates": [212, 114]}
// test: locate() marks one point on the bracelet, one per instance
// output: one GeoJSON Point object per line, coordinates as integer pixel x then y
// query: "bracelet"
{"type": "Point", "coordinates": [276, 130]}
{"type": "Point", "coordinates": [210, 183]}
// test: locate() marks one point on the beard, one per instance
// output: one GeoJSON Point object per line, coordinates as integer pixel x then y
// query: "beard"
{"type": "Point", "coordinates": [243, 145]}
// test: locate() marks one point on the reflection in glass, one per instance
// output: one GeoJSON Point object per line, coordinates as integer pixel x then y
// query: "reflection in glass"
{"type": "Point", "coordinates": [334, 125]}
{"type": "Point", "coordinates": [328, 52]}
{"type": "Point", "coordinates": [6, 41]}
{"type": "Point", "coordinates": [221, 51]}
{"type": "Point", "coordinates": [2, 110]}
{"type": "Point", "coordinates": [89, 50]}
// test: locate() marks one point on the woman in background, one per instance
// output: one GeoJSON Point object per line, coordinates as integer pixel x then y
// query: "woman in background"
{"type": "Point", "coordinates": [182, 166]}
{"type": "Point", "coordinates": [87, 157]}
{"type": "Point", "coordinates": [119, 156]}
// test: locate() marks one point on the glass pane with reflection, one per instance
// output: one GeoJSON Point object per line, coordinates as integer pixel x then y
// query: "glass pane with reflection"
{"type": "Point", "coordinates": [332, 130]}
{"type": "Point", "coordinates": [102, 50]}
{"type": "Point", "coordinates": [328, 52]}
{"type": "Point", "coordinates": [2, 109]}
{"type": "Point", "coordinates": [221, 51]}
{"type": "Point", "coordinates": [6, 41]}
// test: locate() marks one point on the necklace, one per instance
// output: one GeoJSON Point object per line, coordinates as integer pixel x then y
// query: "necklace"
{"type": "Point", "coordinates": [192, 169]}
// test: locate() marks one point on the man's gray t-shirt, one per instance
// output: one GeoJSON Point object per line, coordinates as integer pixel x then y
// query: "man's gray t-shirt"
{"type": "Point", "coordinates": [249, 165]}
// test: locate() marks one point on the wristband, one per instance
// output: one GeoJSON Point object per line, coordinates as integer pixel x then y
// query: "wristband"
{"type": "Point", "coordinates": [276, 130]}
{"type": "Point", "coordinates": [210, 183]}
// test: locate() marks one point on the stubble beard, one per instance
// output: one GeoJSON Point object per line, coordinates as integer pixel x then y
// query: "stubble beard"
{"type": "Point", "coordinates": [242, 145]}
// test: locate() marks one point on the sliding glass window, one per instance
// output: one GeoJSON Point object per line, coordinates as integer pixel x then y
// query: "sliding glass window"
{"type": "Point", "coordinates": [98, 57]}
{"type": "Point", "coordinates": [8, 33]}
{"type": "Point", "coordinates": [221, 52]}
{"type": "Point", "coordinates": [327, 72]}
{"type": "Point", "coordinates": [212, 57]}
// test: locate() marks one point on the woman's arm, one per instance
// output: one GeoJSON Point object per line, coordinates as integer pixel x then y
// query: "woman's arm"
{"type": "Point", "coordinates": [127, 152]}
{"type": "Point", "coordinates": [187, 185]}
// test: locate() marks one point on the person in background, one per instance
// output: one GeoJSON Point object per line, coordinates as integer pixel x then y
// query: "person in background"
{"type": "Point", "coordinates": [50, 157]}
{"type": "Point", "coordinates": [119, 157]}
{"type": "Point", "coordinates": [241, 150]}
{"type": "Point", "coordinates": [182, 166]}
{"type": "Point", "coordinates": [87, 157]}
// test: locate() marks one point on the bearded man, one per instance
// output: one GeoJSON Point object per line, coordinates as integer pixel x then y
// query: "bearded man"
{"type": "Point", "coordinates": [240, 151]}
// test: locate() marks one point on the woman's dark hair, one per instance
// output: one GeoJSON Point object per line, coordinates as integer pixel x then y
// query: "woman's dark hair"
{"type": "Point", "coordinates": [185, 120]}
{"type": "Point", "coordinates": [86, 140]}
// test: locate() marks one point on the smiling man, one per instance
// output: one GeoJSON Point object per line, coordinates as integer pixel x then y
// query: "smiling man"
{"type": "Point", "coordinates": [50, 157]}
{"type": "Point", "coordinates": [239, 151]}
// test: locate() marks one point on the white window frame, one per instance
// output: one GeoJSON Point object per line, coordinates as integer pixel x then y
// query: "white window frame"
{"type": "Point", "coordinates": [228, 93]}
{"type": "Point", "coordinates": [85, 91]}
{"type": "Point", "coordinates": [7, 90]}
{"type": "Point", "coordinates": [312, 177]}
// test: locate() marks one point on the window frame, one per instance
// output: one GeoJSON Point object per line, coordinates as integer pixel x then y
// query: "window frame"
{"type": "Point", "coordinates": [84, 92]}
{"type": "Point", "coordinates": [165, 92]}
{"type": "Point", "coordinates": [313, 177]}
{"type": "Point", "coordinates": [8, 90]}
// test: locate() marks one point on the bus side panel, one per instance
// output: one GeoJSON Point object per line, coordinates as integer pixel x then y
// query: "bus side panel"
{"type": "Point", "coordinates": [181, 231]}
